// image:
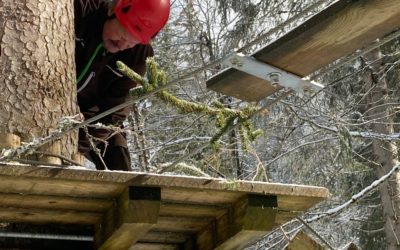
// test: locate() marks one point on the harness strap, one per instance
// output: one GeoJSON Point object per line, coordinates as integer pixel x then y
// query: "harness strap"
{"type": "Point", "coordinates": [85, 70]}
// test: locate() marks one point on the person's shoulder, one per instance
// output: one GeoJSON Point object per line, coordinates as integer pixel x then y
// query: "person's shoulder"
{"type": "Point", "coordinates": [85, 7]}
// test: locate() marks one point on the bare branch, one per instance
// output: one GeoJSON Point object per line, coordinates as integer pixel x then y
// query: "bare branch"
{"type": "Point", "coordinates": [355, 197]}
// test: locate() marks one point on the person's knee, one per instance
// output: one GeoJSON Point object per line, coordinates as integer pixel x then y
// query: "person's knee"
{"type": "Point", "coordinates": [117, 158]}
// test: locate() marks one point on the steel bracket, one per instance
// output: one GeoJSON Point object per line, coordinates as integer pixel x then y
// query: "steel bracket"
{"type": "Point", "coordinates": [272, 74]}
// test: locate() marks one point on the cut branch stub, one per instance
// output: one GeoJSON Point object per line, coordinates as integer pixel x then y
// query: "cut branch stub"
{"type": "Point", "coordinates": [53, 149]}
{"type": "Point", "coordinates": [9, 141]}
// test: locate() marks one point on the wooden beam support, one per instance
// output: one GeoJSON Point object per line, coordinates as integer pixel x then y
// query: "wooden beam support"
{"type": "Point", "coordinates": [51, 185]}
{"type": "Point", "coordinates": [165, 237]}
{"type": "Point", "coordinates": [44, 216]}
{"type": "Point", "coordinates": [251, 218]}
{"type": "Point", "coordinates": [196, 213]}
{"type": "Point", "coordinates": [153, 246]}
{"type": "Point", "coordinates": [303, 241]}
{"type": "Point", "coordinates": [135, 213]}
{"type": "Point", "coordinates": [52, 202]}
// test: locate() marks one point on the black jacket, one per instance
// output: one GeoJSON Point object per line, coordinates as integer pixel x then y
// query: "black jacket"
{"type": "Point", "coordinates": [103, 86]}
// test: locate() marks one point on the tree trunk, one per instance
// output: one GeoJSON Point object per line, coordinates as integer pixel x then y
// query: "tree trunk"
{"type": "Point", "coordinates": [385, 153]}
{"type": "Point", "coordinates": [37, 69]}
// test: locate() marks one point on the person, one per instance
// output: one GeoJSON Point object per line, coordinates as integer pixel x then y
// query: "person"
{"type": "Point", "coordinates": [106, 32]}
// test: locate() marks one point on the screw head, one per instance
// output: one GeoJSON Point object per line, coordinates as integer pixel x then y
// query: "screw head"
{"type": "Point", "coordinates": [274, 78]}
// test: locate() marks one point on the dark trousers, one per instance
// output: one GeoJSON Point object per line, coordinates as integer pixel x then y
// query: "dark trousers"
{"type": "Point", "coordinates": [113, 156]}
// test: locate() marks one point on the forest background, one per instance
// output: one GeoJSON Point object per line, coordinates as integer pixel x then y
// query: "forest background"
{"type": "Point", "coordinates": [342, 138]}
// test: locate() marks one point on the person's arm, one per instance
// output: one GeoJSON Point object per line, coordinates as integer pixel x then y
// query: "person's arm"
{"type": "Point", "coordinates": [117, 91]}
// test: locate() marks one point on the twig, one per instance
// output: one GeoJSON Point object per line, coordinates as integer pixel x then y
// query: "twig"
{"type": "Point", "coordinates": [284, 234]}
{"type": "Point", "coordinates": [94, 148]}
{"type": "Point", "coordinates": [394, 233]}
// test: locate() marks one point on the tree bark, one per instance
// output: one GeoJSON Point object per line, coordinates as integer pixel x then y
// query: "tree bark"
{"type": "Point", "coordinates": [37, 68]}
{"type": "Point", "coordinates": [385, 153]}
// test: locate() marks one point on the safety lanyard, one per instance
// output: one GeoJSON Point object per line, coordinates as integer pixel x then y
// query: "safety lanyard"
{"type": "Point", "coordinates": [85, 70]}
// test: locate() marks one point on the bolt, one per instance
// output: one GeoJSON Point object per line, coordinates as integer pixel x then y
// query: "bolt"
{"type": "Point", "coordinates": [274, 78]}
{"type": "Point", "coordinates": [235, 61]}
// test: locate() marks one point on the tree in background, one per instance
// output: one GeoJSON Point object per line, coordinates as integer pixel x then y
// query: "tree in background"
{"type": "Point", "coordinates": [380, 112]}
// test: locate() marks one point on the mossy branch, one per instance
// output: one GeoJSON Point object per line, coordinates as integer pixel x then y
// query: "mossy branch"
{"type": "Point", "coordinates": [225, 117]}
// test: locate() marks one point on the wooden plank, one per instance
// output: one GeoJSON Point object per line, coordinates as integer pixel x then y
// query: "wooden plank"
{"type": "Point", "coordinates": [54, 202]}
{"type": "Point", "coordinates": [296, 203]}
{"type": "Point", "coordinates": [165, 237]}
{"type": "Point", "coordinates": [198, 196]}
{"type": "Point", "coordinates": [351, 246]}
{"type": "Point", "coordinates": [190, 210]}
{"type": "Point", "coordinates": [42, 216]}
{"type": "Point", "coordinates": [207, 238]}
{"type": "Point", "coordinates": [181, 224]}
{"type": "Point", "coordinates": [331, 34]}
{"type": "Point", "coordinates": [303, 241]}
{"type": "Point", "coordinates": [151, 246]}
{"type": "Point", "coordinates": [203, 184]}
{"type": "Point", "coordinates": [67, 173]}
{"type": "Point", "coordinates": [112, 183]}
{"type": "Point", "coordinates": [285, 216]}
{"type": "Point", "coordinates": [58, 187]}
{"type": "Point", "coordinates": [125, 236]}
{"type": "Point", "coordinates": [136, 213]}
{"type": "Point", "coordinates": [253, 217]}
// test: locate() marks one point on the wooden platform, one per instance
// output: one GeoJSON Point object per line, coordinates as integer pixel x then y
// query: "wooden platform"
{"type": "Point", "coordinates": [140, 211]}
{"type": "Point", "coordinates": [331, 34]}
{"type": "Point", "coordinates": [303, 241]}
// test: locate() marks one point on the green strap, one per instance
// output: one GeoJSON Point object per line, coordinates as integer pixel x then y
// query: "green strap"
{"type": "Point", "coordinates": [85, 70]}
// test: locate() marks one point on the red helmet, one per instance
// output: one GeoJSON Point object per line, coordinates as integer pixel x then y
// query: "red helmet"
{"type": "Point", "coordinates": [142, 18]}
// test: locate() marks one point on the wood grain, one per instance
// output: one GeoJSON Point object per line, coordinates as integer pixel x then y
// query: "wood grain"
{"type": "Point", "coordinates": [54, 202]}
